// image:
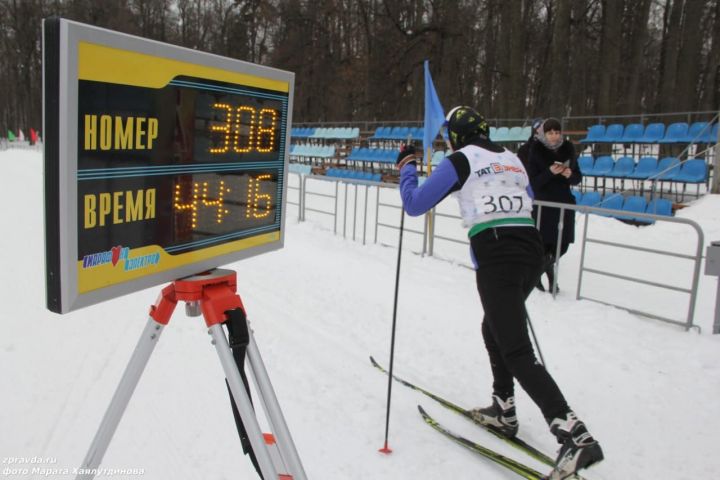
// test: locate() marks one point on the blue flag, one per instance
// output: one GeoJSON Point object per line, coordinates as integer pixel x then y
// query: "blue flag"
{"type": "Point", "coordinates": [434, 113]}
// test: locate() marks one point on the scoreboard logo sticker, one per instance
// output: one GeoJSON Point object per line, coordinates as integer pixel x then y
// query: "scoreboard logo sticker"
{"type": "Point", "coordinates": [114, 255]}
{"type": "Point", "coordinates": [118, 253]}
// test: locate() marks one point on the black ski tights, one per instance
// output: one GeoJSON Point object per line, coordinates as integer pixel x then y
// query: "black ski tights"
{"type": "Point", "coordinates": [510, 261]}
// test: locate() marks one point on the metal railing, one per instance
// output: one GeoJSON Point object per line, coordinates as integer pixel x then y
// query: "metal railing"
{"type": "Point", "coordinates": [696, 258]}
{"type": "Point", "coordinates": [378, 223]}
{"type": "Point", "coordinates": [299, 189]}
{"type": "Point", "coordinates": [431, 235]}
{"type": "Point", "coordinates": [347, 183]}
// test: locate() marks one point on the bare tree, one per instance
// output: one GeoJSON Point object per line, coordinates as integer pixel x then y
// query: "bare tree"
{"type": "Point", "coordinates": [610, 48]}
{"type": "Point", "coordinates": [669, 55]}
{"type": "Point", "coordinates": [362, 59]}
{"type": "Point", "coordinates": [560, 78]}
{"type": "Point", "coordinates": [710, 99]}
{"type": "Point", "coordinates": [689, 57]}
{"type": "Point", "coordinates": [635, 34]}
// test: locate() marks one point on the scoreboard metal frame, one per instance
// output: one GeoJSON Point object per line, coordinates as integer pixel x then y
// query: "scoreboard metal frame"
{"type": "Point", "coordinates": [253, 137]}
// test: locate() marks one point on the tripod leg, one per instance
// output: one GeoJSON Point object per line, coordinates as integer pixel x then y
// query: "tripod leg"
{"type": "Point", "coordinates": [238, 340]}
{"type": "Point", "coordinates": [275, 415]}
{"type": "Point", "coordinates": [242, 401]}
{"type": "Point", "coordinates": [125, 389]}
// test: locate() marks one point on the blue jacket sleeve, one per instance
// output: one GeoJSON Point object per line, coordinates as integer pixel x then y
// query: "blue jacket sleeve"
{"type": "Point", "coordinates": [418, 200]}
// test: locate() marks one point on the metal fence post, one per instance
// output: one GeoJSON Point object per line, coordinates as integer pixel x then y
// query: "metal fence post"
{"type": "Point", "coordinates": [582, 254]}
{"type": "Point", "coordinates": [558, 250]}
{"type": "Point", "coordinates": [367, 190]}
{"type": "Point", "coordinates": [304, 189]}
{"type": "Point", "coordinates": [716, 163]}
{"type": "Point", "coordinates": [377, 212]}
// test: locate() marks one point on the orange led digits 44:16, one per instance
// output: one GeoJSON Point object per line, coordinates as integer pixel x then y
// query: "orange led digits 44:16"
{"type": "Point", "coordinates": [261, 129]}
{"type": "Point", "coordinates": [258, 205]}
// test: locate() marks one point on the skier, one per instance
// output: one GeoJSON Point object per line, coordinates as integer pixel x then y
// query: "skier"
{"type": "Point", "coordinates": [492, 189]}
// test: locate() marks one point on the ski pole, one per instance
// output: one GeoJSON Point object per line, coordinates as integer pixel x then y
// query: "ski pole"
{"type": "Point", "coordinates": [385, 448]}
{"type": "Point", "coordinates": [537, 345]}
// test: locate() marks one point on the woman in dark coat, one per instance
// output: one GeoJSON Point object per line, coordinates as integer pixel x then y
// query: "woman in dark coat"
{"type": "Point", "coordinates": [553, 168]}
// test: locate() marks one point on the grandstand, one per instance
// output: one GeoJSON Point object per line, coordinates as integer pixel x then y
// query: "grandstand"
{"type": "Point", "coordinates": [630, 163]}
{"type": "Point", "coordinates": [373, 148]}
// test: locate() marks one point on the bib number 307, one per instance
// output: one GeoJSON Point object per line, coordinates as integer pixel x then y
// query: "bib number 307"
{"type": "Point", "coordinates": [503, 203]}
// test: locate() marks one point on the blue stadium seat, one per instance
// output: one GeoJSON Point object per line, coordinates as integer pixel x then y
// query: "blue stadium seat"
{"type": "Point", "coordinates": [692, 171]}
{"type": "Point", "coordinates": [623, 167]}
{"type": "Point", "coordinates": [633, 133]}
{"type": "Point", "coordinates": [645, 167]}
{"type": "Point", "coordinates": [515, 134]}
{"type": "Point", "coordinates": [399, 133]}
{"type": "Point", "coordinates": [590, 199]}
{"type": "Point", "coordinates": [578, 195]}
{"type": "Point", "coordinates": [603, 166]}
{"type": "Point", "coordinates": [675, 133]}
{"type": "Point", "coordinates": [388, 156]}
{"type": "Point", "coordinates": [712, 135]}
{"type": "Point", "coordinates": [660, 206]}
{"type": "Point", "coordinates": [635, 204]}
{"type": "Point", "coordinates": [372, 154]}
{"type": "Point", "coordinates": [586, 164]}
{"type": "Point", "coordinates": [354, 154]}
{"type": "Point", "coordinates": [319, 133]}
{"type": "Point", "coordinates": [595, 134]}
{"type": "Point", "coordinates": [697, 132]}
{"type": "Point", "coordinates": [613, 201]}
{"type": "Point", "coordinates": [653, 133]}
{"type": "Point", "coordinates": [381, 133]}
{"type": "Point", "coordinates": [613, 133]}
{"type": "Point", "coordinates": [667, 169]}
{"type": "Point", "coordinates": [502, 134]}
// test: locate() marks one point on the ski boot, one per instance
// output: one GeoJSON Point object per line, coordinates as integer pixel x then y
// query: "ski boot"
{"type": "Point", "coordinates": [579, 449]}
{"type": "Point", "coordinates": [500, 416]}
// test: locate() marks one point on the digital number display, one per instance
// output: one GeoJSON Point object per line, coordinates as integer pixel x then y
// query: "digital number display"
{"type": "Point", "coordinates": [197, 166]}
{"type": "Point", "coordinates": [177, 165]}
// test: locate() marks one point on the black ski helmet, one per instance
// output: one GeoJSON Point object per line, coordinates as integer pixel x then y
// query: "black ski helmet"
{"type": "Point", "coordinates": [464, 124]}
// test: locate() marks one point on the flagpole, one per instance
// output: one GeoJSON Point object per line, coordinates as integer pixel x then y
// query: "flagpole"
{"type": "Point", "coordinates": [431, 214]}
{"type": "Point", "coordinates": [434, 119]}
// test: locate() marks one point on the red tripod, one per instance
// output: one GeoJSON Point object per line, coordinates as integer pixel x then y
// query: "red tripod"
{"type": "Point", "coordinates": [212, 294]}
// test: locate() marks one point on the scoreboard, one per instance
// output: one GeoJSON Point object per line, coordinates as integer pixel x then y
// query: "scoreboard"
{"type": "Point", "coordinates": [160, 162]}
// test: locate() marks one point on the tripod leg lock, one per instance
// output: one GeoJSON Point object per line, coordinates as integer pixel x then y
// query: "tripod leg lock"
{"type": "Point", "coordinates": [164, 305]}
{"type": "Point", "coordinates": [216, 301]}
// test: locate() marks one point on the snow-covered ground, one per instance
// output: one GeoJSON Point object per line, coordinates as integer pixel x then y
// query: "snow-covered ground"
{"type": "Point", "coordinates": [319, 307]}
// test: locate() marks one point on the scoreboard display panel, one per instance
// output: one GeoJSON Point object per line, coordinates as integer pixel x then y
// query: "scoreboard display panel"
{"type": "Point", "coordinates": [160, 162]}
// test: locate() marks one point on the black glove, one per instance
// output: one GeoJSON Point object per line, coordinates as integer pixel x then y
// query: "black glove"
{"type": "Point", "coordinates": [405, 152]}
